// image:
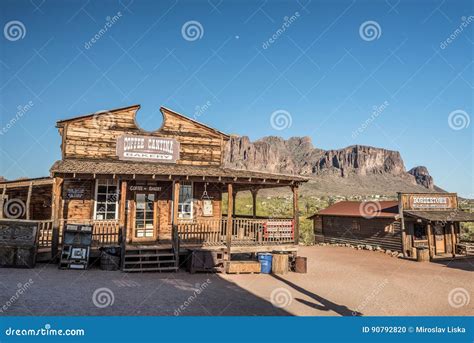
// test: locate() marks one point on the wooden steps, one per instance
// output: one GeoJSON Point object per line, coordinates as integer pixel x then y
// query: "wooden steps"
{"type": "Point", "coordinates": [149, 259]}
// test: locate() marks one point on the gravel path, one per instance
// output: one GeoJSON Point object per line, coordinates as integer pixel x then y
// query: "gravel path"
{"type": "Point", "coordinates": [340, 281]}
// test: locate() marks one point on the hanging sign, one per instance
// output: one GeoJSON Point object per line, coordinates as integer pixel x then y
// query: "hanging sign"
{"type": "Point", "coordinates": [207, 208]}
{"type": "Point", "coordinates": [144, 188]}
{"type": "Point", "coordinates": [75, 193]}
{"type": "Point", "coordinates": [147, 149]}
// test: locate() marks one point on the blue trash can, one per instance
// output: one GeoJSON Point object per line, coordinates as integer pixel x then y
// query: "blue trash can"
{"type": "Point", "coordinates": [265, 263]}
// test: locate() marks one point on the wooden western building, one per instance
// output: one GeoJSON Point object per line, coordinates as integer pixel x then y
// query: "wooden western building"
{"type": "Point", "coordinates": [430, 220]}
{"type": "Point", "coordinates": [161, 191]}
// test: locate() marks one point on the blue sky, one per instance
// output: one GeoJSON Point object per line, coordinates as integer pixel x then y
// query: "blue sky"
{"type": "Point", "coordinates": [322, 75]}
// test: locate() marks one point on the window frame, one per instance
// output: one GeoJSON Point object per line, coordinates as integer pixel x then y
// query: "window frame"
{"type": "Point", "coordinates": [96, 194]}
{"type": "Point", "coordinates": [180, 204]}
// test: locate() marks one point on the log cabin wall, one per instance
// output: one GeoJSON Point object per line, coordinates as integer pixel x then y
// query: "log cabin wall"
{"type": "Point", "coordinates": [383, 232]}
{"type": "Point", "coordinates": [95, 137]}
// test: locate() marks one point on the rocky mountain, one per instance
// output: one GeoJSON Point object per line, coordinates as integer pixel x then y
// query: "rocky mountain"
{"type": "Point", "coordinates": [375, 170]}
{"type": "Point", "coordinates": [422, 176]}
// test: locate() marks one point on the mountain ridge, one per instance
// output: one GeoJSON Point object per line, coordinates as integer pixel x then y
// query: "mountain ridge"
{"type": "Point", "coordinates": [370, 169]}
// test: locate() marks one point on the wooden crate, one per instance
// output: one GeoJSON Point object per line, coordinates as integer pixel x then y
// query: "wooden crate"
{"type": "Point", "coordinates": [242, 267]}
{"type": "Point", "coordinates": [18, 240]}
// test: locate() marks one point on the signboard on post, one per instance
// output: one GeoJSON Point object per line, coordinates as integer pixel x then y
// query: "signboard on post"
{"type": "Point", "coordinates": [147, 149]}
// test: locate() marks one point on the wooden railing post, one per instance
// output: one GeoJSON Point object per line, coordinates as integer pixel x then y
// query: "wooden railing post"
{"type": "Point", "coordinates": [294, 188]}
{"type": "Point", "coordinates": [230, 207]}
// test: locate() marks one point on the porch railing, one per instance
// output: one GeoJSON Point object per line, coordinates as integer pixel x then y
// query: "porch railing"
{"type": "Point", "coordinates": [245, 231]}
{"type": "Point", "coordinates": [104, 232]}
{"type": "Point", "coordinates": [45, 237]}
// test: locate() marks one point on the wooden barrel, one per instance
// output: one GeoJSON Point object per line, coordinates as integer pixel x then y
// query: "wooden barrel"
{"type": "Point", "coordinates": [280, 263]}
{"type": "Point", "coordinates": [301, 264]}
{"type": "Point", "coordinates": [422, 254]}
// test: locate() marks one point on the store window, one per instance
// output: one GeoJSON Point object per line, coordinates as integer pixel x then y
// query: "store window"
{"type": "Point", "coordinates": [106, 200]}
{"type": "Point", "coordinates": [420, 232]}
{"type": "Point", "coordinates": [185, 203]}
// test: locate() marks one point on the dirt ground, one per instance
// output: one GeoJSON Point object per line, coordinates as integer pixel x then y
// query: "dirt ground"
{"type": "Point", "coordinates": [340, 282]}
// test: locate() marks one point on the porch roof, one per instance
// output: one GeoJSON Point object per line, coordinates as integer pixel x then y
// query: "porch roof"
{"type": "Point", "coordinates": [442, 216]}
{"type": "Point", "coordinates": [107, 167]}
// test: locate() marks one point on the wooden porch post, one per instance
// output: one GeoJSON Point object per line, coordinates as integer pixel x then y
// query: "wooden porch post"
{"type": "Point", "coordinates": [56, 214]}
{"type": "Point", "coordinates": [123, 211]}
{"type": "Point", "coordinates": [2, 200]}
{"type": "Point", "coordinates": [175, 201]}
{"type": "Point", "coordinates": [254, 202]}
{"type": "Point", "coordinates": [430, 239]}
{"type": "Point", "coordinates": [453, 239]}
{"type": "Point", "coordinates": [294, 188]}
{"type": "Point", "coordinates": [234, 200]}
{"type": "Point", "coordinates": [28, 201]}
{"type": "Point", "coordinates": [230, 207]}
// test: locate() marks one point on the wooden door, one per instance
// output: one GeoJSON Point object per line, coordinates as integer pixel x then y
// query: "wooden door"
{"type": "Point", "coordinates": [440, 246]}
{"type": "Point", "coordinates": [145, 223]}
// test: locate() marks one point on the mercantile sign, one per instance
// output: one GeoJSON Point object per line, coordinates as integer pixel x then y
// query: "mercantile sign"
{"type": "Point", "coordinates": [147, 148]}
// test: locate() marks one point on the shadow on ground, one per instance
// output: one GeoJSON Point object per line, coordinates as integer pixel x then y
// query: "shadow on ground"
{"type": "Point", "coordinates": [323, 304]}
